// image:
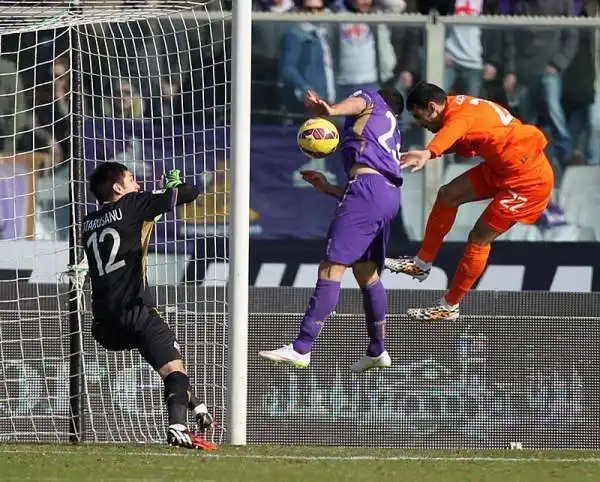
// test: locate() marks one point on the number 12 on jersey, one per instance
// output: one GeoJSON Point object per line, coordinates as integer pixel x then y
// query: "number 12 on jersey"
{"type": "Point", "coordinates": [110, 265]}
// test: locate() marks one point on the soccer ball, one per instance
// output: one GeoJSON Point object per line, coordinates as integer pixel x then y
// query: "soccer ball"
{"type": "Point", "coordinates": [318, 138]}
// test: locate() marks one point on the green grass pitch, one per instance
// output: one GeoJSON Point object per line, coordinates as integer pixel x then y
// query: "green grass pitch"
{"type": "Point", "coordinates": [68, 463]}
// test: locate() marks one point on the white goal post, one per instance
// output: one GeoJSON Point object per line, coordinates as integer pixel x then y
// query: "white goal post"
{"type": "Point", "coordinates": [154, 85]}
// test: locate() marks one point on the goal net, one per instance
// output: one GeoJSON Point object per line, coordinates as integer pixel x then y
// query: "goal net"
{"type": "Point", "coordinates": [145, 83]}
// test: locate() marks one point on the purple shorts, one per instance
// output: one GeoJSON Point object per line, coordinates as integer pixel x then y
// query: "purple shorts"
{"type": "Point", "coordinates": [360, 230]}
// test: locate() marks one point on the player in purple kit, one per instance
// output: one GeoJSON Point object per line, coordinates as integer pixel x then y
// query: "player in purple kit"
{"type": "Point", "coordinates": [359, 233]}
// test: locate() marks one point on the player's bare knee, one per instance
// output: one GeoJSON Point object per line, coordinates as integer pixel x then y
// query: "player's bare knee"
{"type": "Point", "coordinates": [331, 271]}
{"type": "Point", "coordinates": [171, 367]}
{"type": "Point", "coordinates": [456, 192]}
{"type": "Point", "coordinates": [448, 195]}
{"type": "Point", "coordinates": [365, 273]}
{"type": "Point", "coordinates": [482, 234]}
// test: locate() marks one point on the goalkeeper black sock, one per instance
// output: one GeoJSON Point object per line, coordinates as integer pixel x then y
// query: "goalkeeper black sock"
{"type": "Point", "coordinates": [176, 396]}
{"type": "Point", "coordinates": [194, 400]}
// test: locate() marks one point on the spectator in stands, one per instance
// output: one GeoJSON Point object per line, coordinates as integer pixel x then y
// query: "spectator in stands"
{"type": "Point", "coordinates": [275, 6]}
{"type": "Point", "coordinates": [306, 61]}
{"type": "Point", "coordinates": [15, 113]}
{"type": "Point", "coordinates": [266, 45]}
{"type": "Point", "coordinates": [406, 42]}
{"type": "Point", "coordinates": [363, 53]}
{"type": "Point", "coordinates": [53, 108]}
{"type": "Point", "coordinates": [537, 60]}
{"type": "Point", "coordinates": [578, 89]}
{"type": "Point", "coordinates": [592, 9]}
{"type": "Point", "coordinates": [123, 100]}
{"type": "Point", "coordinates": [464, 52]}
{"type": "Point", "coordinates": [154, 56]}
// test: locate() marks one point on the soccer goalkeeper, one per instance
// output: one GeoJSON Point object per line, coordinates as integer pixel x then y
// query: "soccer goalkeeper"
{"type": "Point", "coordinates": [116, 240]}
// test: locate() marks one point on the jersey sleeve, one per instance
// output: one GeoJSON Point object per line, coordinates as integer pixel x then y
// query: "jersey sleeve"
{"type": "Point", "coordinates": [364, 95]}
{"type": "Point", "coordinates": [464, 151]}
{"type": "Point", "coordinates": [151, 204]}
{"type": "Point", "coordinates": [447, 136]}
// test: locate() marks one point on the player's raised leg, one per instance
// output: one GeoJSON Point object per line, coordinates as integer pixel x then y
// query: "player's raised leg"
{"type": "Point", "coordinates": [177, 399]}
{"type": "Point", "coordinates": [439, 223]}
{"type": "Point", "coordinates": [322, 303]}
{"type": "Point", "coordinates": [375, 306]}
{"type": "Point", "coordinates": [470, 268]}
{"type": "Point", "coordinates": [158, 346]}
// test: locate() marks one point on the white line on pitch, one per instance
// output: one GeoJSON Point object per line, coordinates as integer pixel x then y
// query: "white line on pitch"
{"type": "Point", "coordinates": [376, 458]}
{"type": "Point", "coordinates": [408, 458]}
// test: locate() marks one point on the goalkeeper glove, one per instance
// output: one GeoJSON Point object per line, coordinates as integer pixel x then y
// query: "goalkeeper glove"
{"type": "Point", "coordinates": [172, 179]}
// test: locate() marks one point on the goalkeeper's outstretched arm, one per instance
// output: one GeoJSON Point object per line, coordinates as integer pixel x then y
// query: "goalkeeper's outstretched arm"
{"type": "Point", "coordinates": [186, 193]}
{"type": "Point", "coordinates": [153, 205]}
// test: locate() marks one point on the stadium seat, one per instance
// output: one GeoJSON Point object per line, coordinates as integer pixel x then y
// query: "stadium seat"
{"type": "Point", "coordinates": [522, 232]}
{"type": "Point", "coordinates": [582, 210]}
{"type": "Point", "coordinates": [578, 180]}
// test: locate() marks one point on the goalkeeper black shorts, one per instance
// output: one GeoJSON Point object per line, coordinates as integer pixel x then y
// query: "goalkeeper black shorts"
{"type": "Point", "coordinates": [143, 328]}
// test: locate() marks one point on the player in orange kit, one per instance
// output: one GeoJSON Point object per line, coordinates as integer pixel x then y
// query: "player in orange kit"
{"type": "Point", "coordinates": [515, 174]}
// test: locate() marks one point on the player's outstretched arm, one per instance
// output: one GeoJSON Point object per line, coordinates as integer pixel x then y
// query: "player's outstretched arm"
{"type": "Point", "coordinates": [184, 193]}
{"type": "Point", "coordinates": [447, 136]}
{"type": "Point", "coordinates": [351, 106]}
{"type": "Point", "coordinates": [175, 193]}
{"type": "Point", "coordinates": [320, 183]}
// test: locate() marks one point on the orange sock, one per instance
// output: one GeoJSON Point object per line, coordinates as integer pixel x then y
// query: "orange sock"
{"type": "Point", "coordinates": [440, 221]}
{"type": "Point", "coordinates": [469, 270]}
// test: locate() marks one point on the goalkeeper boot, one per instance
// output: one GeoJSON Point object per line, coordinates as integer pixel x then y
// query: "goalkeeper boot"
{"type": "Point", "coordinates": [442, 312]}
{"type": "Point", "coordinates": [179, 436]}
{"type": "Point", "coordinates": [287, 355]}
{"type": "Point", "coordinates": [369, 362]}
{"type": "Point", "coordinates": [204, 419]}
{"type": "Point", "coordinates": [412, 266]}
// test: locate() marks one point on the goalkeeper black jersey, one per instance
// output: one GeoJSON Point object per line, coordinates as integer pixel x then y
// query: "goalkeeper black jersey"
{"type": "Point", "coordinates": [115, 239]}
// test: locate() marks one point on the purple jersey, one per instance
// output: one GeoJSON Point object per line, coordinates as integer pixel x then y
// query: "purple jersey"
{"type": "Point", "coordinates": [373, 138]}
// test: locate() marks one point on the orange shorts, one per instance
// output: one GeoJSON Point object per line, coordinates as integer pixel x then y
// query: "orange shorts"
{"type": "Point", "coordinates": [518, 200]}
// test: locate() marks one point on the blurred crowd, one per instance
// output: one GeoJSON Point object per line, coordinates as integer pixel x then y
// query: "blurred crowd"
{"type": "Point", "coordinates": [544, 76]}
{"type": "Point", "coordinates": [142, 70]}
{"type": "Point", "coordinates": [176, 70]}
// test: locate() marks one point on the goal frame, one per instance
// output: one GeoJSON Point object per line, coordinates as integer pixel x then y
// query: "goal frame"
{"type": "Point", "coordinates": [238, 234]}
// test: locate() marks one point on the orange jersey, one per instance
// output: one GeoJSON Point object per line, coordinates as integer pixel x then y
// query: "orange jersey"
{"type": "Point", "coordinates": [477, 127]}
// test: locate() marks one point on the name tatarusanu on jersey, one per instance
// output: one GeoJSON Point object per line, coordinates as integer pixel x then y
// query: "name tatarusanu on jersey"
{"type": "Point", "coordinates": [115, 240]}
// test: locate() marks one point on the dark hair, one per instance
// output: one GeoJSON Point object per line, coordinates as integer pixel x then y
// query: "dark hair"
{"type": "Point", "coordinates": [104, 177]}
{"type": "Point", "coordinates": [422, 94]}
{"type": "Point", "coordinates": [393, 98]}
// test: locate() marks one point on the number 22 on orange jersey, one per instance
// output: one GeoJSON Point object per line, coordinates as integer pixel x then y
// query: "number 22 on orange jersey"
{"type": "Point", "coordinates": [505, 116]}
{"type": "Point", "coordinates": [513, 202]}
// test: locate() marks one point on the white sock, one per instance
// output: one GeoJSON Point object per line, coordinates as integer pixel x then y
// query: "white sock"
{"type": "Point", "coordinates": [179, 427]}
{"type": "Point", "coordinates": [422, 264]}
{"type": "Point", "coordinates": [200, 409]}
{"type": "Point", "coordinates": [443, 302]}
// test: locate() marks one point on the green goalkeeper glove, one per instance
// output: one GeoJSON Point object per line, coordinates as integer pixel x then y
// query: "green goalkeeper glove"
{"type": "Point", "coordinates": [172, 179]}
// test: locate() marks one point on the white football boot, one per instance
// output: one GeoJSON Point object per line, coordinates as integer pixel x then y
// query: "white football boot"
{"type": "Point", "coordinates": [442, 312]}
{"type": "Point", "coordinates": [370, 362]}
{"type": "Point", "coordinates": [409, 265]}
{"type": "Point", "coordinates": [286, 355]}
